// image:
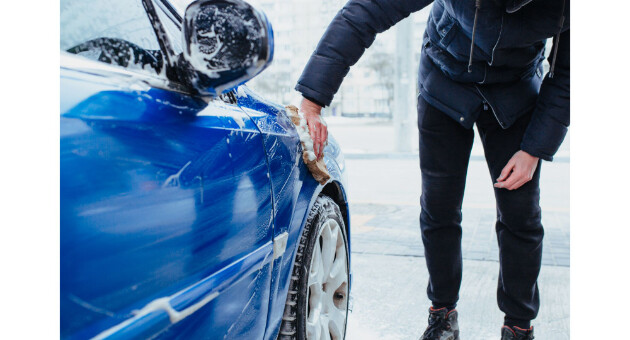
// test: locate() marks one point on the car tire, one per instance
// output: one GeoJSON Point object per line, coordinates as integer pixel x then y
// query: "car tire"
{"type": "Point", "coordinates": [317, 301]}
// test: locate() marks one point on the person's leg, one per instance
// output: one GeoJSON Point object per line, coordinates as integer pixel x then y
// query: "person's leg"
{"type": "Point", "coordinates": [444, 153]}
{"type": "Point", "coordinates": [519, 228]}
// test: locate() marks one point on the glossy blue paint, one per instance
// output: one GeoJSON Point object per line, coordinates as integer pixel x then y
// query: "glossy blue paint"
{"type": "Point", "coordinates": [216, 283]}
{"type": "Point", "coordinates": [294, 189]}
{"type": "Point", "coordinates": [159, 191]}
{"type": "Point", "coordinates": [169, 206]}
{"type": "Point", "coordinates": [151, 320]}
{"type": "Point", "coordinates": [144, 327]}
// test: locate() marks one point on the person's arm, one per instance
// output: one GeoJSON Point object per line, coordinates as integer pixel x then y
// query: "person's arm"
{"type": "Point", "coordinates": [549, 122]}
{"type": "Point", "coordinates": [349, 34]}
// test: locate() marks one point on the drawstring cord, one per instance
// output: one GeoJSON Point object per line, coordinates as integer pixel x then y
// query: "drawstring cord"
{"type": "Point", "coordinates": [556, 42]}
{"type": "Point", "coordinates": [472, 42]}
{"type": "Point", "coordinates": [556, 39]}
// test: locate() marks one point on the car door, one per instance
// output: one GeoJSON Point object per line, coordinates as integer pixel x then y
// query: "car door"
{"type": "Point", "coordinates": [166, 211]}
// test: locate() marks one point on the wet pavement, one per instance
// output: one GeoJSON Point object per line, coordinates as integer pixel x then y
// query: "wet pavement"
{"type": "Point", "coordinates": [390, 277]}
{"type": "Point", "coordinates": [394, 230]}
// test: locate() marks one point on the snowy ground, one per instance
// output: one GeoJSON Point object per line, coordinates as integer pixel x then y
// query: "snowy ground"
{"type": "Point", "coordinates": [390, 277]}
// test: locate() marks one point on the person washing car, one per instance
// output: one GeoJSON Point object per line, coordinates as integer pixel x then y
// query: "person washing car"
{"type": "Point", "coordinates": [481, 63]}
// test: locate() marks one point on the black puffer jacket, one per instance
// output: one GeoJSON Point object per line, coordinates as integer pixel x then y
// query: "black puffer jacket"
{"type": "Point", "coordinates": [505, 70]}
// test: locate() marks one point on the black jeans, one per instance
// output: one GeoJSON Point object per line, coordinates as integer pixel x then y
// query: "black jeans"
{"type": "Point", "coordinates": [444, 154]}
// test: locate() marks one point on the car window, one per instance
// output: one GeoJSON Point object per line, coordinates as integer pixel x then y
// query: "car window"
{"type": "Point", "coordinates": [112, 31]}
{"type": "Point", "coordinates": [180, 5]}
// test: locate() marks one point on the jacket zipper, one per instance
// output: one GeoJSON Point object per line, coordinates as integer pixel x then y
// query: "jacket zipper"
{"type": "Point", "coordinates": [491, 107]}
{"type": "Point", "coordinates": [498, 39]}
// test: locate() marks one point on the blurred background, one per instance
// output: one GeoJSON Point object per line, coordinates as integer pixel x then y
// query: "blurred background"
{"type": "Point", "coordinates": [367, 91]}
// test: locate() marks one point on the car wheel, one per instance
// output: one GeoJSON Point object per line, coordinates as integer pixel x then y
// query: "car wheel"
{"type": "Point", "coordinates": [317, 302]}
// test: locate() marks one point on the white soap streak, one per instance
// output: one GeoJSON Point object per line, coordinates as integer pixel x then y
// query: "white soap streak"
{"type": "Point", "coordinates": [218, 108]}
{"type": "Point", "coordinates": [240, 92]}
{"type": "Point", "coordinates": [157, 305]}
{"type": "Point", "coordinates": [89, 306]}
{"type": "Point", "coordinates": [166, 102]}
{"type": "Point", "coordinates": [173, 180]}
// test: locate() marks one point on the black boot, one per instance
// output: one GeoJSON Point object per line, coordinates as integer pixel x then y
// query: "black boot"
{"type": "Point", "coordinates": [442, 325]}
{"type": "Point", "coordinates": [515, 333]}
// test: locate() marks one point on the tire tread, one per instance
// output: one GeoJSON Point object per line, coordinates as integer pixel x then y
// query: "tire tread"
{"type": "Point", "coordinates": [289, 327]}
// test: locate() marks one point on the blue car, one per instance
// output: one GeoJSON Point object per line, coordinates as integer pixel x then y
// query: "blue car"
{"type": "Point", "coordinates": [186, 209]}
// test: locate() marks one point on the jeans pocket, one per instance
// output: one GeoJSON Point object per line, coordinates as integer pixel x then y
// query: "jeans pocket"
{"type": "Point", "coordinates": [430, 118]}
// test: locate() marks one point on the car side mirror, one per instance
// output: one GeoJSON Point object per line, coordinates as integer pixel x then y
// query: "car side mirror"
{"type": "Point", "coordinates": [226, 43]}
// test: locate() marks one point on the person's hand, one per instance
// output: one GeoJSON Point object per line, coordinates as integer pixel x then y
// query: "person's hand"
{"type": "Point", "coordinates": [518, 171]}
{"type": "Point", "coordinates": [316, 126]}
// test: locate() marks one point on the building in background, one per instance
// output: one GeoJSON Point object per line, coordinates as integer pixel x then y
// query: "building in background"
{"type": "Point", "coordinates": [368, 89]}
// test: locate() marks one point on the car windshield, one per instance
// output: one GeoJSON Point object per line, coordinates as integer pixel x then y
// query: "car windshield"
{"type": "Point", "coordinates": [180, 5]}
{"type": "Point", "coordinates": [112, 31]}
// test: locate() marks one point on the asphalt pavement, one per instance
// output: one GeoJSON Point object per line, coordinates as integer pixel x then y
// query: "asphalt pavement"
{"type": "Point", "coordinates": [390, 277]}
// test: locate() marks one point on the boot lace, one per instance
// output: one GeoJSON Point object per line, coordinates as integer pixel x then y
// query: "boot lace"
{"type": "Point", "coordinates": [437, 325]}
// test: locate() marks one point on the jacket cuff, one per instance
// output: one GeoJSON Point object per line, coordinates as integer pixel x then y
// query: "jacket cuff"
{"type": "Point", "coordinates": [543, 137]}
{"type": "Point", "coordinates": [314, 100]}
{"type": "Point", "coordinates": [536, 153]}
{"type": "Point", "coordinates": [314, 96]}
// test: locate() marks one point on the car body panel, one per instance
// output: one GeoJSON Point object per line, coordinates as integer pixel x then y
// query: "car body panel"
{"type": "Point", "coordinates": [159, 191]}
{"type": "Point", "coordinates": [294, 188]}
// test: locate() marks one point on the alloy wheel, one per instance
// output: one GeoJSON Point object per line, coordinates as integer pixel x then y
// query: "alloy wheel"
{"type": "Point", "coordinates": [328, 285]}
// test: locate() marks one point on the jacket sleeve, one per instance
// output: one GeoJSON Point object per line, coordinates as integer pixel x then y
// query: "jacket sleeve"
{"type": "Point", "coordinates": [550, 119]}
{"type": "Point", "coordinates": [351, 32]}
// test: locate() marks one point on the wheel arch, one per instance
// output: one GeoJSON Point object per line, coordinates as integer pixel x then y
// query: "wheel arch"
{"type": "Point", "coordinates": [334, 189]}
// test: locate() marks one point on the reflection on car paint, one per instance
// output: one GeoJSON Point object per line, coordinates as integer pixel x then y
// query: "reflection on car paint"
{"type": "Point", "coordinates": [184, 303]}
{"type": "Point", "coordinates": [116, 154]}
{"type": "Point", "coordinates": [180, 215]}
